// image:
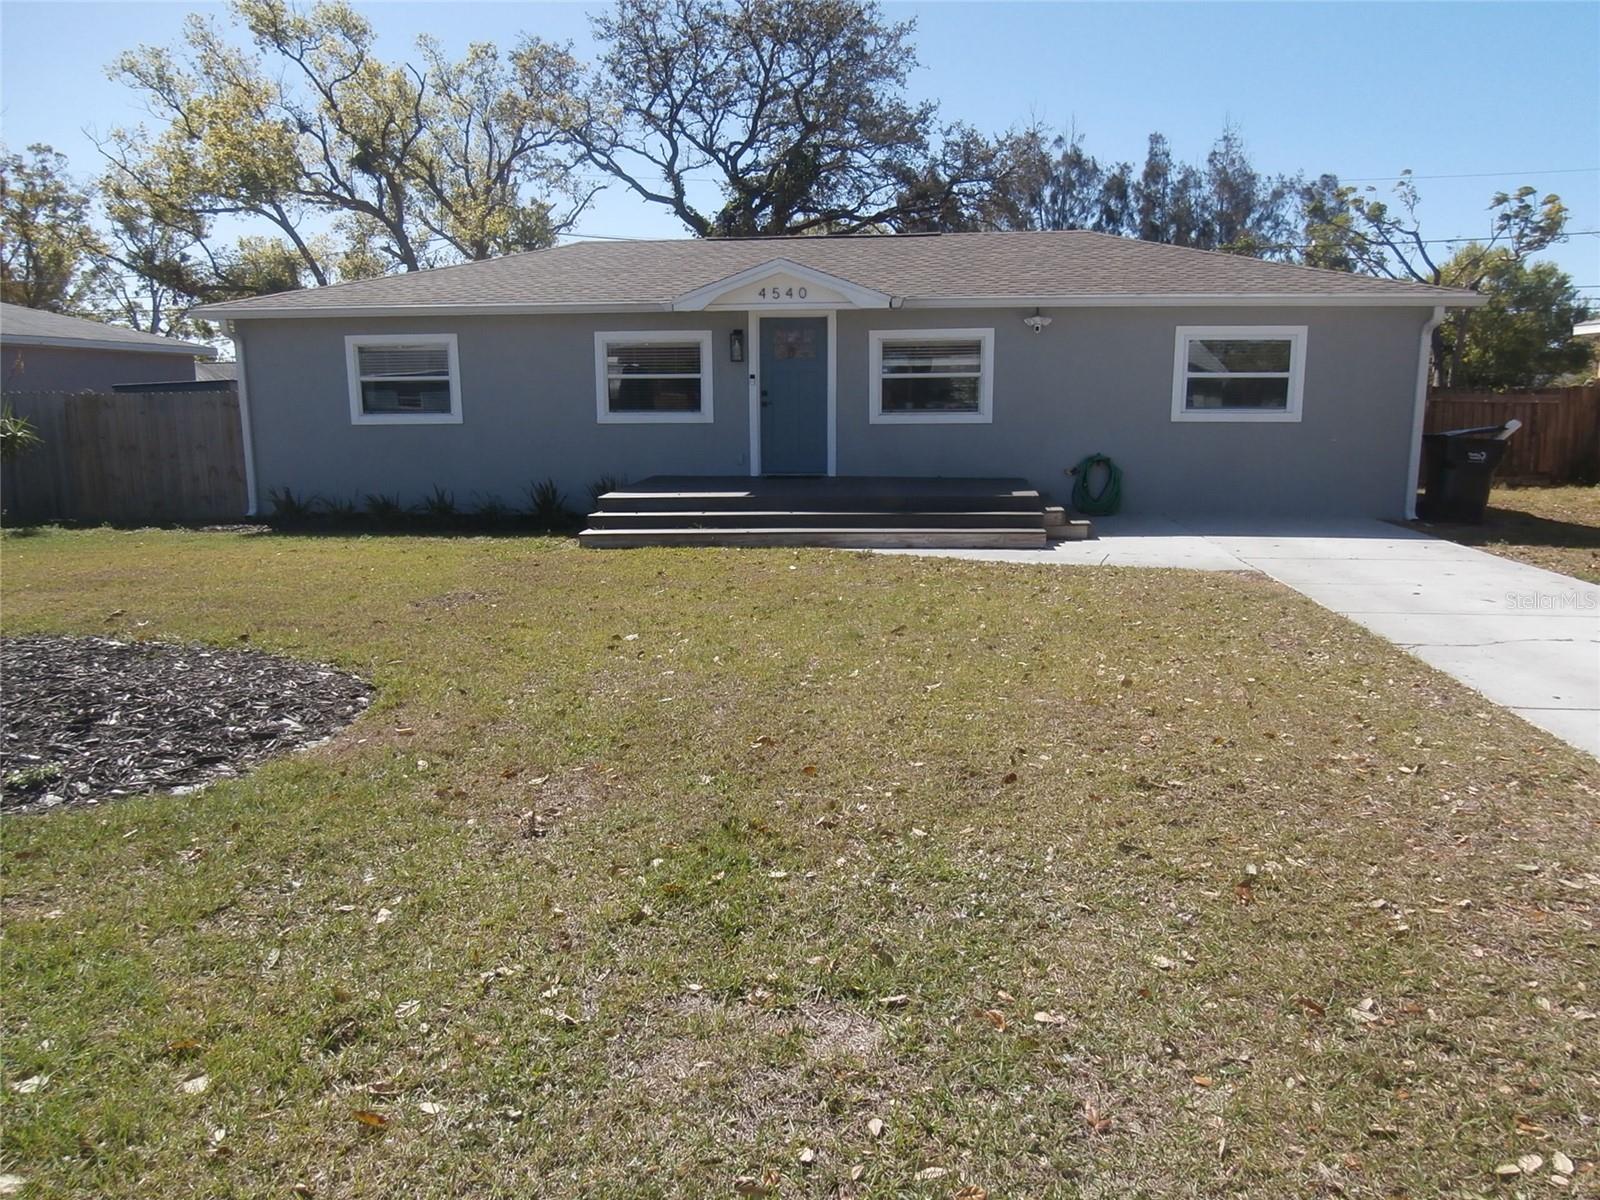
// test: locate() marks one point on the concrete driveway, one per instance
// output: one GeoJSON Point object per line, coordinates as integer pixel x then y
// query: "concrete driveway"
{"type": "Point", "coordinates": [1526, 638]}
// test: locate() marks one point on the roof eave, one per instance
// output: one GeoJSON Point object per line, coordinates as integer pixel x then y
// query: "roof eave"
{"type": "Point", "coordinates": [1450, 299]}
{"type": "Point", "coordinates": [240, 312]}
{"type": "Point", "coordinates": [186, 349]}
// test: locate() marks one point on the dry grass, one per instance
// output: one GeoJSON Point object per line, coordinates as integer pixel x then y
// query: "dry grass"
{"type": "Point", "coordinates": [1557, 528]}
{"type": "Point", "coordinates": [694, 862]}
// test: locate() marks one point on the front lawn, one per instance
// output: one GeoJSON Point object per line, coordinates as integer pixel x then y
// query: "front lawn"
{"type": "Point", "coordinates": [699, 873]}
{"type": "Point", "coordinates": [1557, 528]}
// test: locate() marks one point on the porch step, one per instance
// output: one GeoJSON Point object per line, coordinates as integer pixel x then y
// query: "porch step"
{"type": "Point", "coordinates": [813, 519]}
{"type": "Point", "coordinates": [854, 539]}
{"type": "Point", "coordinates": [852, 512]}
{"type": "Point", "coordinates": [858, 494]}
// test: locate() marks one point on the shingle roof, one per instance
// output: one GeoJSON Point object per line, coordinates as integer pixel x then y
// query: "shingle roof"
{"type": "Point", "coordinates": [1023, 267]}
{"type": "Point", "coordinates": [35, 326]}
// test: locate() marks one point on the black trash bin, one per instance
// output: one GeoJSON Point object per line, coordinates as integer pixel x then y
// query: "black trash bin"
{"type": "Point", "coordinates": [1457, 470]}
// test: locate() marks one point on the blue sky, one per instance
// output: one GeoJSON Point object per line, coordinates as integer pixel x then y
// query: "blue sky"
{"type": "Point", "coordinates": [1508, 93]}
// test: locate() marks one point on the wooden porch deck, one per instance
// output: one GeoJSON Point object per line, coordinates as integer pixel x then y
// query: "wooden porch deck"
{"type": "Point", "coordinates": [860, 512]}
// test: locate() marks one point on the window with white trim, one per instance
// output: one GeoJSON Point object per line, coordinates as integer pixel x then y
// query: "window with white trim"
{"type": "Point", "coordinates": [1238, 372]}
{"type": "Point", "coordinates": [657, 375]}
{"type": "Point", "coordinates": [404, 379]}
{"type": "Point", "coordinates": [929, 376]}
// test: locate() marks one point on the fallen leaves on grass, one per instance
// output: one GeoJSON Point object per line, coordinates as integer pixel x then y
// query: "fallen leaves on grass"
{"type": "Point", "coordinates": [26, 1087]}
{"type": "Point", "coordinates": [370, 1119]}
{"type": "Point", "coordinates": [749, 1185]}
{"type": "Point", "coordinates": [193, 1087]}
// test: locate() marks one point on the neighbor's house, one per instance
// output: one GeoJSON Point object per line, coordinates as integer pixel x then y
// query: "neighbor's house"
{"type": "Point", "coordinates": [48, 352]}
{"type": "Point", "coordinates": [1220, 384]}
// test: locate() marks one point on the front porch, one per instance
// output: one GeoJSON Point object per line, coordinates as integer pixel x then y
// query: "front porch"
{"type": "Point", "coordinates": [860, 512]}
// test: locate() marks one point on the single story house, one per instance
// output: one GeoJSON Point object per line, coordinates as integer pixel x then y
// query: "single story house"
{"type": "Point", "coordinates": [49, 352]}
{"type": "Point", "coordinates": [1218, 383]}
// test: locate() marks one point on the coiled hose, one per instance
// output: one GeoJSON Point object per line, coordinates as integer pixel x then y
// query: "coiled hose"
{"type": "Point", "coordinates": [1092, 501]}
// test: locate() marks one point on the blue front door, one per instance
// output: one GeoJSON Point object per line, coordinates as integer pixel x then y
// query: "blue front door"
{"type": "Point", "coordinates": [794, 395]}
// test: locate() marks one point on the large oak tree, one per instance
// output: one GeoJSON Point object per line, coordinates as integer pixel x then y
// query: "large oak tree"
{"type": "Point", "coordinates": [357, 163]}
{"type": "Point", "coordinates": [794, 110]}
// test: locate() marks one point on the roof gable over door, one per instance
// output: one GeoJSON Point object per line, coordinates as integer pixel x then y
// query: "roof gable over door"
{"type": "Point", "coordinates": [780, 283]}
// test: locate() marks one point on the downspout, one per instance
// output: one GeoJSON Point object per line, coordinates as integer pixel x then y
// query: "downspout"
{"type": "Point", "coordinates": [247, 443]}
{"type": "Point", "coordinates": [1419, 411]}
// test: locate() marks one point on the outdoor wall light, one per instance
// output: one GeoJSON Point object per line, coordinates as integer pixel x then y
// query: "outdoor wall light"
{"type": "Point", "coordinates": [736, 346]}
{"type": "Point", "coordinates": [1037, 322]}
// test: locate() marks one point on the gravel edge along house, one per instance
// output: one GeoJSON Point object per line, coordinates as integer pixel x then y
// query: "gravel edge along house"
{"type": "Point", "coordinates": [858, 385]}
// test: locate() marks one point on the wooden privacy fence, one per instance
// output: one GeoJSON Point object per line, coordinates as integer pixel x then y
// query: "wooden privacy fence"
{"type": "Point", "coordinates": [136, 457]}
{"type": "Point", "coordinates": [1559, 441]}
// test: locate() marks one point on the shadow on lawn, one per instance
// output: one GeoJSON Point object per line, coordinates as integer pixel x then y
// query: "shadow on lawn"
{"type": "Point", "coordinates": [322, 527]}
{"type": "Point", "coordinates": [1508, 525]}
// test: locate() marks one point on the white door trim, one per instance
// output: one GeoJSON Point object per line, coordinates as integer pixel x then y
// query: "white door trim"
{"type": "Point", "coordinates": [754, 357]}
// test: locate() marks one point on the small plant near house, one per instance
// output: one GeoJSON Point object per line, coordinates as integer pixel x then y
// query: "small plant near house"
{"type": "Point", "coordinates": [383, 508]}
{"type": "Point", "coordinates": [440, 505]}
{"type": "Point", "coordinates": [17, 434]}
{"type": "Point", "coordinates": [288, 508]}
{"type": "Point", "coordinates": [606, 483]}
{"type": "Point", "coordinates": [491, 510]}
{"type": "Point", "coordinates": [547, 504]}
{"type": "Point", "coordinates": [339, 510]}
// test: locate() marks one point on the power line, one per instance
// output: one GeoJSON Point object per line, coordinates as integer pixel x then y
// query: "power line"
{"type": "Point", "coordinates": [1471, 175]}
{"type": "Point", "coordinates": [1475, 237]}
{"type": "Point", "coordinates": [691, 177]}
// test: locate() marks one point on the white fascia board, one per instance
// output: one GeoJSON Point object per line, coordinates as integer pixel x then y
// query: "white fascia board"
{"type": "Point", "coordinates": [239, 313]}
{"type": "Point", "coordinates": [1202, 300]}
{"type": "Point", "coordinates": [878, 300]}
{"type": "Point", "coordinates": [702, 297]}
{"type": "Point", "coordinates": [184, 349]}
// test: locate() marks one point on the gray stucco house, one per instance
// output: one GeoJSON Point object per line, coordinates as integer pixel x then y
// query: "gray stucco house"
{"type": "Point", "coordinates": [49, 352]}
{"type": "Point", "coordinates": [1219, 384]}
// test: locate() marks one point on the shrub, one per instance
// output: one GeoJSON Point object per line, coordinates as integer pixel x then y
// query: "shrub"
{"type": "Point", "coordinates": [606, 483]}
{"type": "Point", "coordinates": [491, 510]}
{"type": "Point", "coordinates": [17, 434]}
{"type": "Point", "coordinates": [548, 505]}
{"type": "Point", "coordinates": [383, 508]}
{"type": "Point", "coordinates": [286, 506]}
{"type": "Point", "coordinates": [343, 510]}
{"type": "Point", "coordinates": [440, 505]}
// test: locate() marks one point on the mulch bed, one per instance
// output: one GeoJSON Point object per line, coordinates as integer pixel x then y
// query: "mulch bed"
{"type": "Point", "coordinates": [83, 719]}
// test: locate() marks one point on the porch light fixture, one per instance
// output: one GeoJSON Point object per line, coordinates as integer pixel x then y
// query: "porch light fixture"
{"type": "Point", "coordinates": [1037, 322]}
{"type": "Point", "coordinates": [736, 346]}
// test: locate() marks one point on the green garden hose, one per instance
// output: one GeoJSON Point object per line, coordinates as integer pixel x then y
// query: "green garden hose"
{"type": "Point", "coordinates": [1105, 500]}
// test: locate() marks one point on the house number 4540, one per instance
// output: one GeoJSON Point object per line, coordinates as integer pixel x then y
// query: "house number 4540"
{"type": "Point", "coordinates": [782, 293]}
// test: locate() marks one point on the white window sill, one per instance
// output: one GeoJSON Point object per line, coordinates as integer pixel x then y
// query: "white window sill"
{"type": "Point", "coordinates": [407, 419]}
{"type": "Point", "coordinates": [1236, 415]}
{"type": "Point", "coordinates": [950, 418]}
{"type": "Point", "coordinates": [654, 418]}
